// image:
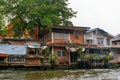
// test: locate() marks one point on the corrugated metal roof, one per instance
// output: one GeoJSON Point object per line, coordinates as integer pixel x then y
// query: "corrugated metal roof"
{"type": "Point", "coordinates": [41, 47]}
{"type": "Point", "coordinates": [32, 43]}
{"type": "Point", "coordinates": [13, 49]}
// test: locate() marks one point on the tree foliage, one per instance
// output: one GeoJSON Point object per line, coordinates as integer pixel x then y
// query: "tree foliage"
{"type": "Point", "coordinates": [1, 24]}
{"type": "Point", "coordinates": [1, 21]}
{"type": "Point", "coordinates": [81, 53]}
{"type": "Point", "coordinates": [25, 14]}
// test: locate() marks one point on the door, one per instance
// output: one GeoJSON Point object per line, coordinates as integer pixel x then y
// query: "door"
{"type": "Point", "coordinates": [72, 57]}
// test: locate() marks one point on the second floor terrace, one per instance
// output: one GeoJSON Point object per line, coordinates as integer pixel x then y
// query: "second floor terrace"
{"type": "Point", "coordinates": [64, 34]}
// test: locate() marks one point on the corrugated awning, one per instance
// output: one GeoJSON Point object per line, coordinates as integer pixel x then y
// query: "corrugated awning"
{"type": "Point", "coordinates": [72, 49]}
{"type": "Point", "coordinates": [32, 43]}
{"type": "Point", "coordinates": [36, 46]}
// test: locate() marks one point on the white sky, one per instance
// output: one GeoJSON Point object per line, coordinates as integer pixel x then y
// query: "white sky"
{"type": "Point", "coordinates": [104, 14]}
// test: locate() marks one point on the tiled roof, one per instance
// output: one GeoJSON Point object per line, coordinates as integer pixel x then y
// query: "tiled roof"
{"type": "Point", "coordinates": [101, 31]}
{"type": "Point", "coordinates": [116, 38]}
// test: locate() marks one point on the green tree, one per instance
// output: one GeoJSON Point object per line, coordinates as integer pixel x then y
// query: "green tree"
{"type": "Point", "coordinates": [25, 14]}
{"type": "Point", "coordinates": [53, 58]}
{"type": "Point", "coordinates": [81, 53]}
{"type": "Point", "coordinates": [1, 21]}
{"type": "Point", "coordinates": [5, 32]}
{"type": "Point", "coordinates": [1, 24]}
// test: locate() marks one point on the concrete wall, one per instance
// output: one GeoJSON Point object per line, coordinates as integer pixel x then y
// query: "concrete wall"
{"type": "Point", "coordinates": [94, 38]}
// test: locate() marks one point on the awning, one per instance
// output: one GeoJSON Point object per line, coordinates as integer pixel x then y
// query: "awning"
{"type": "Point", "coordinates": [32, 43]}
{"type": "Point", "coordinates": [38, 47]}
{"type": "Point", "coordinates": [3, 55]}
{"type": "Point", "coordinates": [72, 49]}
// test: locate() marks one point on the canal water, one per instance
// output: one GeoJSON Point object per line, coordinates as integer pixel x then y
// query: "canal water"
{"type": "Point", "coordinates": [90, 74]}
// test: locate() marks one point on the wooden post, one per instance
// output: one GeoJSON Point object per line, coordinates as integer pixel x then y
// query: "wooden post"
{"type": "Point", "coordinates": [36, 32]}
{"type": "Point", "coordinates": [10, 28]}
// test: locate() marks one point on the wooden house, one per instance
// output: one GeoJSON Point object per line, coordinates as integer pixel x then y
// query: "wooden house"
{"type": "Point", "coordinates": [35, 56]}
{"type": "Point", "coordinates": [23, 52]}
{"type": "Point", "coordinates": [116, 40]}
{"type": "Point", "coordinates": [15, 54]}
{"type": "Point", "coordinates": [64, 41]}
{"type": "Point", "coordinates": [32, 52]}
{"type": "Point", "coordinates": [116, 48]}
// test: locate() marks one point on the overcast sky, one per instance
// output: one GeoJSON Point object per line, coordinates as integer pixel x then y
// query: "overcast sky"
{"type": "Point", "coordinates": [104, 14]}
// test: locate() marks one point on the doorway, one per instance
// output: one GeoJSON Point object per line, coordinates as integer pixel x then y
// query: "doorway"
{"type": "Point", "coordinates": [73, 57]}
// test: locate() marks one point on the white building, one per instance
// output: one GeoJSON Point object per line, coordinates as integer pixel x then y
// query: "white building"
{"type": "Point", "coordinates": [98, 36]}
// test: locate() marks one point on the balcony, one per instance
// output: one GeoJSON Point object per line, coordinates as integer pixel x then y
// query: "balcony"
{"type": "Point", "coordinates": [33, 56]}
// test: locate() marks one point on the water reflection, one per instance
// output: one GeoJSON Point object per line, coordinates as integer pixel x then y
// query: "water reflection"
{"type": "Point", "coordinates": [93, 74]}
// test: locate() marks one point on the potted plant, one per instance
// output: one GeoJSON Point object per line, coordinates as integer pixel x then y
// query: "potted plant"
{"type": "Point", "coordinates": [53, 58]}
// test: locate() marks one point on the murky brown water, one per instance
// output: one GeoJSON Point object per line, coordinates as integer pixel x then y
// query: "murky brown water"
{"type": "Point", "coordinates": [93, 74]}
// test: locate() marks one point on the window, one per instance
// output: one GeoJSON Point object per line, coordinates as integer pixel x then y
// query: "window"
{"type": "Point", "coordinates": [65, 36]}
{"type": "Point", "coordinates": [2, 59]}
{"type": "Point", "coordinates": [115, 43]}
{"type": "Point", "coordinates": [108, 41]}
{"type": "Point", "coordinates": [61, 36]}
{"type": "Point", "coordinates": [94, 32]}
{"type": "Point", "coordinates": [57, 35]}
{"type": "Point", "coordinates": [16, 58]}
{"type": "Point", "coordinates": [76, 33]}
{"type": "Point", "coordinates": [89, 41]}
{"type": "Point", "coordinates": [100, 40]}
{"type": "Point", "coordinates": [61, 53]}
